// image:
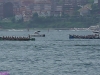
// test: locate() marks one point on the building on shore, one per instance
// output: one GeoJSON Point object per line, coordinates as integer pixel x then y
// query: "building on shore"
{"type": "Point", "coordinates": [26, 8]}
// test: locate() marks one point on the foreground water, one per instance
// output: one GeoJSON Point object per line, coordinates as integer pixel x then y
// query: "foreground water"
{"type": "Point", "coordinates": [54, 54]}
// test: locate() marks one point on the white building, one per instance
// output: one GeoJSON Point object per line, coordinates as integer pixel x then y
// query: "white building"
{"type": "Point", "coordinates": [95, 1]}
{"type": "Point", "coordinates": [18, 17]}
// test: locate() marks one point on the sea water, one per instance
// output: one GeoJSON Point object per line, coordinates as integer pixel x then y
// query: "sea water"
{"type": "Point", "coordinates": [54, 54]}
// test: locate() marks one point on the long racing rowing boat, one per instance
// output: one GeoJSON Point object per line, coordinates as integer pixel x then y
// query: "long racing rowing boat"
{"type": "Point", "coordinates": [14, 38]}
{"type": "Point", "coordinates": [96, 36]}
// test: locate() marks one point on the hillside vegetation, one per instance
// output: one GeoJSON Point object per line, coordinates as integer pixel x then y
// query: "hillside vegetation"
{"type": "Point", "coordinates": [64, 21]}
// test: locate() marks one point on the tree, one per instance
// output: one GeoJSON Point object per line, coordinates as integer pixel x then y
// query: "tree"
{"type": "Point", "coordinates": [35, 15]}
{"type": "Point", "coordinates": [90, 1]}
{"type": "Point", "coordinates": [13, 19]}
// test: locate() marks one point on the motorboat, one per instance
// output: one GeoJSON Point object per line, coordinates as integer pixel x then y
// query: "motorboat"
{"type": "Point", "coordinates": [37, 34]}
{"type": "Point", "coordinates": [96, 31]}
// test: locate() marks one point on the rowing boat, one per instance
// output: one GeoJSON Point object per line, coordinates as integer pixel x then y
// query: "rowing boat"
{"type": "Point", "coordinates": [17, 38]}
{"type": "Point", "coordinates": [84, 36]}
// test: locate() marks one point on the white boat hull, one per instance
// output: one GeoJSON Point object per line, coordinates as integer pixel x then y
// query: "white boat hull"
{"type": "Point", "coordinates": [95, 31]}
